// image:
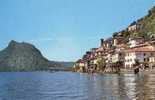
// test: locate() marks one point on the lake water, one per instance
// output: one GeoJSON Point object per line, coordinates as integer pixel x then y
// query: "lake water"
{"type": "Point", "coordinates": [75, 86]}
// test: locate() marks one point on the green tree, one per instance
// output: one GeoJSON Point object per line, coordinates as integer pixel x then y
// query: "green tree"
{"type": "Point", "coordinates": [101, 64]}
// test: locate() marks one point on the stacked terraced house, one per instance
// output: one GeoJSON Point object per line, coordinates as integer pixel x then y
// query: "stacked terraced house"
{"type": "Point", "coordinates": [117, 53]}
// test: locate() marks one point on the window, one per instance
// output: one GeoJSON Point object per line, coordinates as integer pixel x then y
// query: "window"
{"type": "Point", "coordinates": [144, 54]}
{"type": "Point", "coordinates": [127, 65]}
{"type": "Point", "coordinates": [147, 59]}
{"type": "Point", "coordinates": [144, 59]}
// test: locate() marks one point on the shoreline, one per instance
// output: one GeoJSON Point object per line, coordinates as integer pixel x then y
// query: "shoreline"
{"type": "Point", "coordinates": [122, 71]}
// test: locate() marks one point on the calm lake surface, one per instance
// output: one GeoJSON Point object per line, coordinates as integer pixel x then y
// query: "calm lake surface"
{"type": "Point", "coordinates": [75, 86]}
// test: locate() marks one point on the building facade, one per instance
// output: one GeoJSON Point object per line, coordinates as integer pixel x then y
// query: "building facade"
{"type": "Point", "coordinates": [142, 54]}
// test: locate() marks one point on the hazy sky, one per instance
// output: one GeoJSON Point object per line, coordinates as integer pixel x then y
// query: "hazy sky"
{"type": "Point", "coordinates": [65, 29]}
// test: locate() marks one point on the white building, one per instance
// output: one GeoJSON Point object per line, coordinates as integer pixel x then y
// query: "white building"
{"type": "Point", "coordinates": [119, 53]}
{"type": "Point", "coordinates": [133, 42]}
{"type": "Point", "coordinates": [79, 65]}
{"type": "Point", "coordinates": [117, 56]}
{"type": "Point", "coordinates": [140, 53]}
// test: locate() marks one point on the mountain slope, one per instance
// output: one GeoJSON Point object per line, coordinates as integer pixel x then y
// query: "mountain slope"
{"type": "Point", "coordinates": [148, 23]}
{"type": "Point", "coordinates": [24, 57]}
{"type": "Point", "coordinates": [147, 27]}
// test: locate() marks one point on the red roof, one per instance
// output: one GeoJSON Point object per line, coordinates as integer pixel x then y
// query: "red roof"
{"type": "Point", "coordinates": [141, 49]}
{"type": "Point", "coordinates": [100, 50]}
{"type": "Point", "coordinates": [122, 46]}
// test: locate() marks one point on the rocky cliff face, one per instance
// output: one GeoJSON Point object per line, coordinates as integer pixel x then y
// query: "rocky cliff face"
{"type": "Point", "coordinates": [23, 57]}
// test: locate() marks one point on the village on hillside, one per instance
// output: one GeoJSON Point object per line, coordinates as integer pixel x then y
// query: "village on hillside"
{"type": "Point", "coordinates": [118, 53]}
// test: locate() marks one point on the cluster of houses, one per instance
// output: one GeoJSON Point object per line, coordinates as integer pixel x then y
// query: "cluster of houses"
{"type": "Point", "coordinates": [116, 50]}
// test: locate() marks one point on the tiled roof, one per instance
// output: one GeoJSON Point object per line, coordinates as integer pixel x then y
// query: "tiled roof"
{"type": "Point", "coordinates": [100, 50]}
{"type": "Point", "coordinates": [141, 49]}
{"type": "Point", "coordinates": [122, 46]}
{"type": "Point", "coordinates": [80, 61]}
{"type": "Point", "coordinates": [108, 40]}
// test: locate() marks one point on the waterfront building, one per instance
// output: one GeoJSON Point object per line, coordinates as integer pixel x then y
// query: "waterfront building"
{"type": "Point", "coordinates": [109, 57]}
{"type": "Point", "coordinates": [79, 66]}
{"type": "Point", "coordinates": [141, 53]}
{"type": "Point", "coordinates": [118, 56]}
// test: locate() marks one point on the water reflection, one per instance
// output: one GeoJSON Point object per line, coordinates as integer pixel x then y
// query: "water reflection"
{"type": "Point", "coordinates": [121, 87]}
{"type": "Point", "coordinates": [69, 86]}
{"type": "Point", "coordinates": [149, 87]}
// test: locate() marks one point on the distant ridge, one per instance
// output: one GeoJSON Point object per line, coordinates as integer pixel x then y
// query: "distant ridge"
{"type": "Point", "coordinates": [25, 57]}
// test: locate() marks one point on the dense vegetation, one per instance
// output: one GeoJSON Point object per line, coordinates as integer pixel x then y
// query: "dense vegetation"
{"type": "Point", "coordinates": [147, 29]}
{"type": "Point", "coordinates": [148, 24]}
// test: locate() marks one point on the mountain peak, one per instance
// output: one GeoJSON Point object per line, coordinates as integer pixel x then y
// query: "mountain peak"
{"type": "Point", "coordinates": [22, 56]}
{"type": "Point", "coordinates": [12, 43]}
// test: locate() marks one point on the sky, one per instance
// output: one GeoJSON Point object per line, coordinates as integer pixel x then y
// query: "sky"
{"type": "Point", "coordinates": [63, 30]}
